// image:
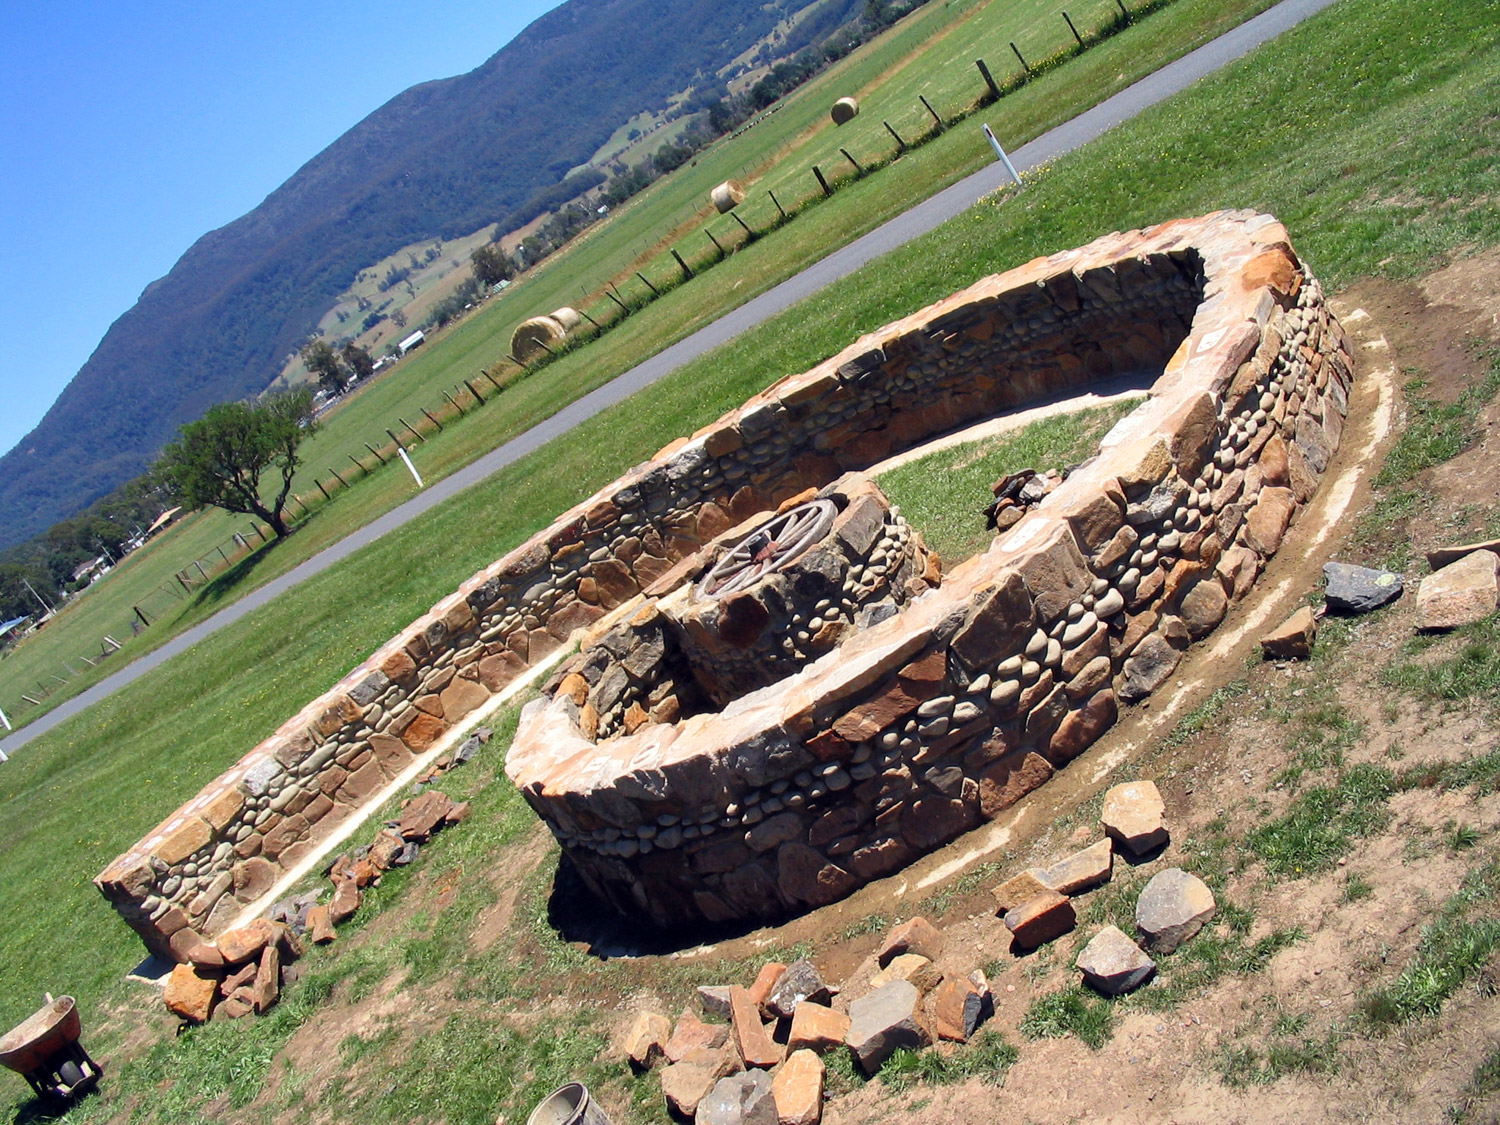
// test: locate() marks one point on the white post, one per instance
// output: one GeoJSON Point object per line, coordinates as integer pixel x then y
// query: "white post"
{"type": "Point", "coordinates": [6, 721]}
{"type": "Point", "coordinates": [1000, 154]}
{"type": "Point", "coordinates": [405, 460]}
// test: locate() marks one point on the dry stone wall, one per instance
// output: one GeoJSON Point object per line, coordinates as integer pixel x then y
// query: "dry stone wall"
{"type": "Point", "coordinates": [1189, 495]}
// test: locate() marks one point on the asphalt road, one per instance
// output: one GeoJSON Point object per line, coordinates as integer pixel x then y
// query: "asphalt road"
{"type": "Point", "coordinates": [1170, 79]}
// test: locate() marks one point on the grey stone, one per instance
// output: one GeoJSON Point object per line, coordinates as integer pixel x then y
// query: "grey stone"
{"type": "Point", "coordinates": [714, 1000]}
{"type": "Point", "coordinates": [1153, 661]}
{"type": "Point", "coordinates": [1114, 964]}
{"type": "Point", "coordinates": [1359, 589]}
{"type": "Point", "coordinates": [799, 982]}
{"type": "Point", "coordinates": [1172, 908]}
{"type": "Point", "coordinates": [740, 1099]}
{"type": "Point", "coordinates": [884, 1021]}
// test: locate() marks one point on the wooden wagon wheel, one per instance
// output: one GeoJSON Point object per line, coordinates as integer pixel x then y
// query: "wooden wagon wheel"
{"type": "Point", "coordinates": [775, 544]}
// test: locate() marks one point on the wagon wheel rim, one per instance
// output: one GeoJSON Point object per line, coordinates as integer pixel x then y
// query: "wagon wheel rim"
{"type": "Point", "coordinates": [777, 543]}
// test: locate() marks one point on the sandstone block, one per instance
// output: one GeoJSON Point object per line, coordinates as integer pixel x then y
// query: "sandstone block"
{"type": "Point", "coordinates": [1134, 817]}
{"type": "Point", "coordinates": [1172, 908]}
{"type": "Point", "coordinates": [816, 1027]}
{"type": "Point", "coordinates": [765, 981]}
{"type": "Point", "coordinates": [423, 815]}
{"type": "Point", "coordinates": [740, 1099]}
{"type": "Point", "coordinates": [1079, 871]}
{"type": "Point", "coordinates": [958, 1007]}
{"type": "Point", "coordinates": [265, 990]}
{"type": "Point", "coordinates": [1019, 889]}
{"type": "Point", "coordinates": [345, 902]}
{"type": "Point", "coordinates": [1461, 593]}
{"type": "Point", "coordinates": [246, 943]}
{"type": "Point", "coordinates": [714, 1000]}
{"type": "Point", "coordinates": [911, 967]}
{"type": "Point", "coordinates": [798, 1089]}
{"type": "Point", "coordinates": [319, 928]}
{"type": "Point", "coordinates": [646, 1039]}
{"type": "Point", "coordinates": [1114, 964]}
{"type": "Point", "coordinates": [754, 1046]}
{"type": "Point", "coordinates": [1266, 523]}
{"type": "Point", "coordinates": [191, 991]}
{"type": "Point", "coordinates": [686, 1084]}
{"type": "Point", "coordinates": [916, 936]}
{"type": "Point", "coordinates": [1293, 638]}
{"type": "Point", "coordinates": [1044, 918]}
{"type": "Point", "coordinates": [692, 1034]}
{"type": "Point", "coordinates": [1010, 779]}
{"type": "Point", "coordinates": [884, 1021]}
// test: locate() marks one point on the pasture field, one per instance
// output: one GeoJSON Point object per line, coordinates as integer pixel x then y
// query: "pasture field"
{"type": "Point", "coordinates": [915, 56]}
{"type": "Point", "coordinates": [1370, 131]}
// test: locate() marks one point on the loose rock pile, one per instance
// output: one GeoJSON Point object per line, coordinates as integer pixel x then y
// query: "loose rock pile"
{"type": "Point", "coordinates": [765, 1063]}
{"type": "Point", "coordinates": [241, 973]}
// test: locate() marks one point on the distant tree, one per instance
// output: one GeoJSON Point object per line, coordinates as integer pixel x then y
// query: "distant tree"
{"type": "Point", "coordinates": [219, 460]}
{"type": "Point", "coordinates": [358, 360]}
{"type": "Point", "coordinates": [491, 264]}
{"type": "Point", "coordinates": [324, 363]}
{"type": "Point", "coordinates": [398, 318]}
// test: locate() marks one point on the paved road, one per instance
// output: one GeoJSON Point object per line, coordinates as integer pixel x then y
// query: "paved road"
{"type": "Point", "coordinates": [938, 209]}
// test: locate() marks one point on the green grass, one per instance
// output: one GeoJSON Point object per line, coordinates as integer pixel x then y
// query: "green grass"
{"type": "Point", "coordinates": [1462, 667]}
{"type": "Point", "coordinates": [1370, 131]}
{"type": "Point", "coordinates": [1463, 938]}
{"type": "Point", "coordinates": [1482, 1085]}
{"type": "Point", "coordinates": [987, 1057]}
{"type": "Point", "coordinates": [1434, 431]}
{"type": "Point", "coordinates": [1323, 822]}
{"type": "Point", "coordinates": [944, 494]}
{"type": "Point", "coordinates": [1069, 1011]}
{"type": "Point", "coordinates": [1482, 773]}
{"type": "Point", "coordinates": [1287, 1054]}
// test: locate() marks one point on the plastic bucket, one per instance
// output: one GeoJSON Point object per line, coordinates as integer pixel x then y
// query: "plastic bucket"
{"type": "Point", "coordinates": [568, 1105]}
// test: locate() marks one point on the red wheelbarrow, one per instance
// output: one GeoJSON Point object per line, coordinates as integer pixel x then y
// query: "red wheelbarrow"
{"type": "Point", "coordinates": [44, 1049]}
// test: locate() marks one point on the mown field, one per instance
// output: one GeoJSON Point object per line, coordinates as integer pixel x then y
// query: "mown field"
{"type": "Point", "coordinates": [1370, 131]}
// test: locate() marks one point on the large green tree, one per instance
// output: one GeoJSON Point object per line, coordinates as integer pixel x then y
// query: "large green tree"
{"type": "Point", "coordinates": [324, 362]}
{"type": "Point", "coordinates": [219, 460]}
{"type": "Point", "coordinates": [491, 264]}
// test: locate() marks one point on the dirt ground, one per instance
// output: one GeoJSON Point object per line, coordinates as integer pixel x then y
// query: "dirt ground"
{"type": "Point", "coordinates": [1219, 784]}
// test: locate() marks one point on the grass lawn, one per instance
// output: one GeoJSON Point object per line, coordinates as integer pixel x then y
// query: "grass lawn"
{"type": "Point", "coordinates": [1370, 131]}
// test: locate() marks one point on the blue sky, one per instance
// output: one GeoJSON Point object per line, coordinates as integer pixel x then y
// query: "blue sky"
{"type": "Point", "coordinates": [129, 129]}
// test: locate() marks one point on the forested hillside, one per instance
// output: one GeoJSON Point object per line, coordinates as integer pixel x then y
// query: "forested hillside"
{"type": "Point", "coordinates": [441, 159]}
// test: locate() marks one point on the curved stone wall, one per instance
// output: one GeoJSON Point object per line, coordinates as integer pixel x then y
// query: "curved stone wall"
{"type": "Point", "coordinates": [1219, 304]}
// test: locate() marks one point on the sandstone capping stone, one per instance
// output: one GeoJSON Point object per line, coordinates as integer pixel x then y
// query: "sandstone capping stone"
{"type": "Point", "coordinates": [1461, 593]}
{"type": "Point", "coordinates": [917, 935]}
{"type": "Point", "coordinates": [816, 1027]}
{"type": "Point", "coordinates": [959, 1006]}
{"type": "Point", "coordinates": [1080, 871]}
{"type": "Point", "coordinates": [798, 1089]}
{"type": "Point", "coordinates": [1114, 964]}
{"type": "Point", "coordinates": [692, 1034]}
{"type": "Point", "coordinates": [1041, 919]}
{"type": "Point", "coordinates": [755, 1047]}
{"type": "Point", "coordinates": [191, 991]}
{"type": "Point", "coordinates": [1172, 908]}
{"type": "Point", "coordinates": [646, 1039]}
{"type": "Point", "coordinates": [1134, 817]}
{"type": "Point", "coordinates": [1293, 639]}
{"type": "Point", "coordinates": [1019, 889]}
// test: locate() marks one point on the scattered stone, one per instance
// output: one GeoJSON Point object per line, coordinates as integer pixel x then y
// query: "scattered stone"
{"type": "Point", "coordinates": [755, 1047]}
{"type": "Point", "coordinates": [345, 902]}
{"type": "Point", "coordinates": [1172, 908]}
{"type": "Point", "coordinates": [1019, 889]}
{"type": "Point", "coordinates": [765, 983]}
{"type": "Point", "coordinates": [1293, 638]}
{"type": "Point", "coordinates": [321, 929]}
{"type": "Point", "coordinates": [959, 1007]}
{"type": "Point", "coordinates": [740, 1099]}
{"type": "Point", "coordinates": [692, 1034]}
{"type": "Point", "coordinates": [245, 943]}
{"type": "Point", "coordinates": [1079, 871]}
{"type": "Point", "coordinates": [1114, 964]}
{"type": "Point", "coordinates": [816, 1027]}
{"type": "Point", "coordinates": [798, 984]}
{"type": "Point", "coordinates": [916, 936]}
{"type": "Point", "coordinates": [1461, 593]}
{"type": "Point", "coordinates": [714, 1000]}
{"type": "Point", "coordinates": [646, 1041]}
{"type": "Point", "coordinates": [240, 978]}
{"type": "Point", "coordinates": [203, 953]}
{"type": "Point", "coordinates": [423, 816]}
{"type": "Point", "coordinates": [1134, 816]}
{"type": "Point", "coordinates": [910, 967]}
{"type": "Point", "coordinates": [190, 992]}
{"type": "Point", "coordinates": [1441, 556]}
{"type": "Point", "coordinates": [884, 1021]}
{"type": "Point", "coordinates": [385, 849]}
{"type": "Point", "coordinates": [1359, 589]}
{"type": "Point", "coordinates": [266, 988]}
{"type": "Point", "coordinates": [1046, 917]}
{"type": "Point", "coordinates": [233, 1008]}
{"type": "Point", "coordinates": [798, 1089]}
{"type": "Point", "coordinates": [686, 1084]}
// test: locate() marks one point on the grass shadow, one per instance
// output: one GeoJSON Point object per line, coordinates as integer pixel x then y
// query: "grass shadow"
{"type": "Point", "coordinates": [224, 586]}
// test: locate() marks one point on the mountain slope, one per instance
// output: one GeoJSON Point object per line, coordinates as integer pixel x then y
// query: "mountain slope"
{"type": "Point", "coordinates": [441, 159]}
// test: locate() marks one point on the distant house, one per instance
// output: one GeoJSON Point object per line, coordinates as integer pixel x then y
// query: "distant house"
{"type": "Point", "coordinates": [11, 626]}
{"type": "Point", "coordinates": [415, 340]}
{"type": "Point", "coordinates": [162, 521]}
{"type": "Point", "coordinates": [92, 569]}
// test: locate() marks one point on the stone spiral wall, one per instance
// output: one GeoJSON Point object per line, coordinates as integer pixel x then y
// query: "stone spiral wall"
{"type": "Point", "coordinates": [1230, 443]}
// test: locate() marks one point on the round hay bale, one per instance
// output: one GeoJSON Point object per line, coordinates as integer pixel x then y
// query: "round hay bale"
{"type": "Point", "coordinates": [845, 109]}
{"type": "Point", "coordinates": [532, 339]}
{"type": "Point", "coordinates": [569, 317]}
{"type": "Point", "coordinates": [727, 196]}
